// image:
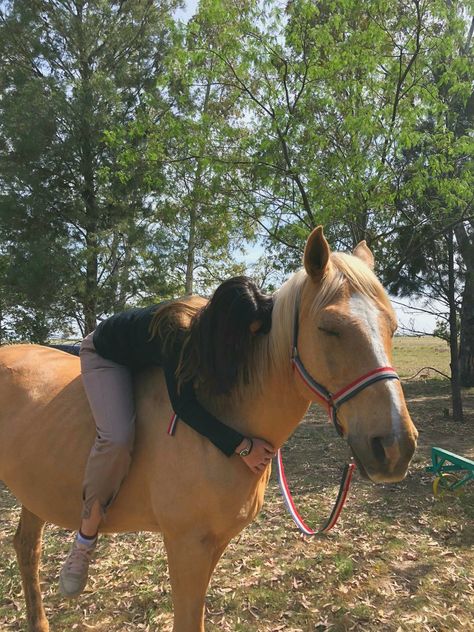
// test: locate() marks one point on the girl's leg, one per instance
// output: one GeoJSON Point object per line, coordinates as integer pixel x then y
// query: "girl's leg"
{"type": "Point", "coordinates": [109, 390]}
{"type": "Point", "coordinates": [90, 526]}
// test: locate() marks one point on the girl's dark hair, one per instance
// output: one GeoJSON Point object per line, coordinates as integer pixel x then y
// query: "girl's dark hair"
{"type": "Point", "coordinates": [220, 337]}
{"type": "Point", "coordinates": [216, 347]}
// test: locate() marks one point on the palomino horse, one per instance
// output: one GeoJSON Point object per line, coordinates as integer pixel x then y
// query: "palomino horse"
{"type": "Point", "coordinates": [182, 485]}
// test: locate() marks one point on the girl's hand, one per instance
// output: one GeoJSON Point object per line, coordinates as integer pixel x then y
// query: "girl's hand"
{"type": "Point", "coordinates": [260, 455]}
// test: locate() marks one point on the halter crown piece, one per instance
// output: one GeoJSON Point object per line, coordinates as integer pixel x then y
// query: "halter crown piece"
{"type": "Point", "coordinates": [332, 401]}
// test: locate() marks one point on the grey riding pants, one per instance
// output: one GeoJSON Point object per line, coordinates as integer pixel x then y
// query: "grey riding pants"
{"type": "Point", "coordinates": [109, 389]}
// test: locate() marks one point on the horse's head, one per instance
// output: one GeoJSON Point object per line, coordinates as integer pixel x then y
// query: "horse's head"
{"type": "Point", "coordinates": [346, 326]}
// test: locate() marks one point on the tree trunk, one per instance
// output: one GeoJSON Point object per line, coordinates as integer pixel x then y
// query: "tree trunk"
{"type": "Point", "coordinates": [359, 227]}
{"type": "Point", "coordinates": [194, 207]}
{"type": "Point", "coordinates": [88, 193]}
{"type": "Point", "coordinates": [90, 295]}
{"type": "Point", "coordinates": [123, 287]}
{"type": "Point", "coordinates": [191, 249]}
{"type": "Point", "coordinates": [466, 350]}
{"type": "Point", "coordinates": [453, 334]}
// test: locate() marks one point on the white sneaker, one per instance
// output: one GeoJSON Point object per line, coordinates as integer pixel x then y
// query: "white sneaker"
{"type": "Point", "coordinates": [73, 575]}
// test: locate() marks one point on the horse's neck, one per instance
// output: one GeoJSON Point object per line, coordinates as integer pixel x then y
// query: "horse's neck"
{"type": "Point", "coordinates": [276, 413]}
{"type": "Point", "coordinates": [271, 412]}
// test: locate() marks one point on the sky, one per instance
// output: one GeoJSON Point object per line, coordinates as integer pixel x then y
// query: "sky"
{"type": "Point", "coordinates": [187, 11]}
{"type": "Point", "coordinates": [410, 319]}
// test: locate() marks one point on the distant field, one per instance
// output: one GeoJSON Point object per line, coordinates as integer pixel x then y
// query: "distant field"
{"type": "Point", "coordinates": [413, 353]}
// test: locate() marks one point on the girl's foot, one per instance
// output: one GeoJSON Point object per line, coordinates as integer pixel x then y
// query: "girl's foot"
{"type": "Point", "coordinates": [73, 575]}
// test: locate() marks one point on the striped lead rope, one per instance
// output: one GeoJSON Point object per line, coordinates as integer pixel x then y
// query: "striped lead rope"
{"type": "Point", "coordinates": [337, 509]}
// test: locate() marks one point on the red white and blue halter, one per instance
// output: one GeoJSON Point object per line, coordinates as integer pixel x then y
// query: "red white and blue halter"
{"type": "Point", "coordinates": [332, 402]}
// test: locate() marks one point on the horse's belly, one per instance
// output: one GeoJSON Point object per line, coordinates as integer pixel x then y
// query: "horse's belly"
{"type": "Point", "coordinates": [46, 433]}
{"type": "Point", "coordinates": [42, 453]}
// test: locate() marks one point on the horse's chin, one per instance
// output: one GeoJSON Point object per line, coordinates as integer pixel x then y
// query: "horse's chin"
{"type": "Point", "coordinates": [376, 476]}
{"type": "Point", "coordinates": [360, 467]}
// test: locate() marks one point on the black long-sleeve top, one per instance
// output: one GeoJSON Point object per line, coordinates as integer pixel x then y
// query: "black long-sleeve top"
{"type": "Point", "coordinates": [125, 338]}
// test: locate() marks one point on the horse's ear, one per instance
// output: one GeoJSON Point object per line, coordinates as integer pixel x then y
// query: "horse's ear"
{"type": "Point", "coordinates": [364, 253]}
{"type": "Point", "coordinates": [316, 254]}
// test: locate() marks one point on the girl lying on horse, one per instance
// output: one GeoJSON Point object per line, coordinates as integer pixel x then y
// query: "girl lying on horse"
{"type": "Point", "coordinates": [209, 344]}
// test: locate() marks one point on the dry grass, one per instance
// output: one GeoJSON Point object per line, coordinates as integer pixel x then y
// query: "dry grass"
{"type": "Point", "coordinates": [412, 353]}
{"type": "Point", "coordinates": [398, 561]}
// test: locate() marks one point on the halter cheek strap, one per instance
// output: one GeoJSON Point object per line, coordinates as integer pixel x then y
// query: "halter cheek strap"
{"type": "Point", "coordinates": [333, 401]}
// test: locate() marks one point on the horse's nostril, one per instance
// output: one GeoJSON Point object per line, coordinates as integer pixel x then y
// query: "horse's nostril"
{"type": "Point", "coordinates": [378, 449]}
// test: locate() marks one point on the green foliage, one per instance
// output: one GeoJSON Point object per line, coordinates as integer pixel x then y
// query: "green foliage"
{"type": "Point", "coordinates": [71, 221]}
{"type": "Point", "coordinates": [147, 153]}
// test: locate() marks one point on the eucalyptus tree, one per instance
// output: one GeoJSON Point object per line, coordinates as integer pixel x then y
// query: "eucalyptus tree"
{"type": "Point", "coordinates": [71, 70]}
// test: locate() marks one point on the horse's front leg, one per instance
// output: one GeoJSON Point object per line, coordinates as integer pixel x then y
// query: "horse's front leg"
{"type": "Point", "coordinates": [192, 558]}
{"type": "Point", "coordinates": [27, 543]}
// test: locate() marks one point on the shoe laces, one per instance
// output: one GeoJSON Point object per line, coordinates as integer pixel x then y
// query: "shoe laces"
{"type": "Point", "coordinates": [79, 557]}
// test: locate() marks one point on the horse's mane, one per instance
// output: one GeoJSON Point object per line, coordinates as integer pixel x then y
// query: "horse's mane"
{"type": "Point", "coordinates": [274, 351]}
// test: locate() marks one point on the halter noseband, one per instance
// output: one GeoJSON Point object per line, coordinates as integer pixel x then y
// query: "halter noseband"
{"type": "Point", "coordinates": [333, 401]}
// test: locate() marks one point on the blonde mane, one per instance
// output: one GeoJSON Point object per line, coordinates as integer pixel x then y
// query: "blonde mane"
{"type": "Point", "coordinates": [274, 351]}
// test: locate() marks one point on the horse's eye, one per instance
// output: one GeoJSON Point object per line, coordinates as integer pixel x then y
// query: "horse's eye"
{"type": "Point", "coordinates": [329, 332]}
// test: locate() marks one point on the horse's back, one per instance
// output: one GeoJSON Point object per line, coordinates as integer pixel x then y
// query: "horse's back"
{"type": "Point", "coordinates": [31, 378]}
{"type": "Point", "coordinates": [45, 424]}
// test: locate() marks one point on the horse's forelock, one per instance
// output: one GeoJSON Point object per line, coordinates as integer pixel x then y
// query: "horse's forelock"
{"type": "Point", "coordinates": [360, 278]}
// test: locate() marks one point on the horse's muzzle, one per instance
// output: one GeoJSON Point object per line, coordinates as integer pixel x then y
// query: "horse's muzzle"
{"type": "Point", "coordinates": [384, 459]}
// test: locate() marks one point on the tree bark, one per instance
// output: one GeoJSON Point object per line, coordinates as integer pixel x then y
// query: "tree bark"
{"type": "Point", "coordinates": [191, 254]}
{"type": "Point", "coordinates": [456, 397]}
{"type": "Point", "coordinates": [194, 206]}
{"type": "Point", "coordinates": [466, 349]}
{"type": "Point", "coordinates": [121, 300]}
{"type": "Point", "coordinates": [90, 294]}
{"type": "Point", "coordinates": [88, 192]}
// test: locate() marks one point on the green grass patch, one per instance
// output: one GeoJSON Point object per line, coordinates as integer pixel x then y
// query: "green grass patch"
{"type": "Point", "coordinates": [344, 567]}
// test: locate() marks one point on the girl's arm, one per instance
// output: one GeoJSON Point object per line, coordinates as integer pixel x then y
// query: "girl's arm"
{"type": "Point", "coordinates": [228, 440]}
{"type": "Point", "coordinates": [187, 407]}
